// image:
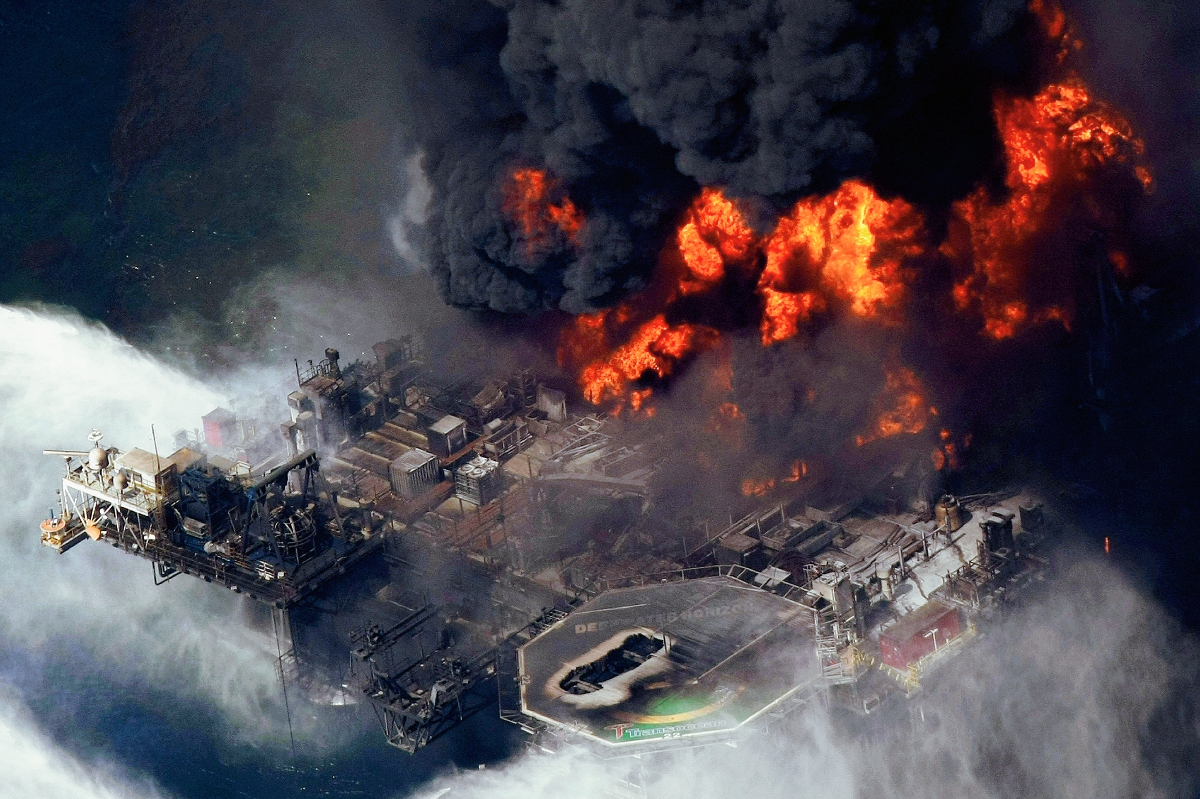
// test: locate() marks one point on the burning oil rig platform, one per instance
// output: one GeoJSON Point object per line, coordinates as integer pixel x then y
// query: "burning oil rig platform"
{"type": "Point", "coordinates": [503, 555]}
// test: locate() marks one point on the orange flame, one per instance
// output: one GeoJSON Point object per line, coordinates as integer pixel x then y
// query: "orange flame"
{"type": "Point", "coordinates": [637, 399]}
{"type": "Point", "coordinates": [850, 243]}
{"type": "Point", "coordinates": [761, 486]}
{"type": "Point", "coordinates": [715, 232]}
{"type": "Point", "coordinates": [527, 203]}
{"type": "Point", "coordinates": [713, 235]}
{"type": "Point", "coordinates": [784, 312]}
{"type": "Point", "coordinates": [905, 409]}
{"type": "Point", "coordinates": [653, 349]}
{"type": "Point", "coordinates": [854, 252]}
{"type": "Point", "coordinates": [727, 414]}
{"type": "Point", "coordinates": [586, 339]}
{"type": "Point", "coordinates": [1057, 28]}
{"type": "Point", "coordinates": [948, 454]}
{"type": "Point", "coordinates": [752, 487]}
{"type": "Point", "coordinates": [1120, 262]}
{"type": "Point", "coordinates": [799, 471]}
{"type": "Point", "coordinates": [727, 424]}
{"type": "Point", "coordinates": [1054, 143]}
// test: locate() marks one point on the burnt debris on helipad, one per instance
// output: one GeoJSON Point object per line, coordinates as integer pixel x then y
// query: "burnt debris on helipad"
{"type": "Point", "coordinates": [670, 660]}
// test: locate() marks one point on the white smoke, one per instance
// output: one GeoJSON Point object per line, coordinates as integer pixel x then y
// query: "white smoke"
{"type": "Point", "coordinates": [33, 767]}
{"type": "Point", "coordinates": [1086, 692]}
{"type": "Point", "coordinates": [59, 377]}
{"type": "Point", "coordinates": [412, 214]}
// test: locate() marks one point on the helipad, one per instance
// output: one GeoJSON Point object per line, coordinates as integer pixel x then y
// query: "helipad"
{"type": "Point", "coordinates": [696, 657]}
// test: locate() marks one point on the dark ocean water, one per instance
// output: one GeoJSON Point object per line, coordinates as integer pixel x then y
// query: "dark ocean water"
{"type": "Point", "coordinates": [188, 749]}
{"type": "Point", "coordinates": [71, 221]}
{"type": "Point", "coordinates": [64, 66]}
{"type": "Point", "coordinates": [137, 183]}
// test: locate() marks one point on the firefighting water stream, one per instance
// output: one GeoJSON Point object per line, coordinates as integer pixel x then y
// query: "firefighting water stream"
{"type": "Point", "coordinates": [1051, 705]}
{"type": "Point", "coordinates": [594, 398]}
{"type": "Point", "coordinates": [63, 372]}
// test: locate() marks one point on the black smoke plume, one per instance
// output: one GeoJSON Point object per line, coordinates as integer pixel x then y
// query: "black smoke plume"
{"type": "Point", "coordinates": [631, 106]}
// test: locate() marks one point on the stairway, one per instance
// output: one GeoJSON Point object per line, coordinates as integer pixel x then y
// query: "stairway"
{"type": "Point", "coordinates": [832, 669]}
{"type": "Point", "coordinates": [546, 621]}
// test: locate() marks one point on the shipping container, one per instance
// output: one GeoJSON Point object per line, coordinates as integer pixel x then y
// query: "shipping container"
{"type": "Point", "coordinates": [413, 473]}
{"type": "Point", "coordinates": [922, 632]}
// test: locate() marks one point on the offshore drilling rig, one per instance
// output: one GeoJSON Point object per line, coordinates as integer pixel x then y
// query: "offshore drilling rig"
{"type": "Point", "coordinates": [260, 514]}
{"type": "Point", "coordinates": [498, 552]}
{"type": "Point", "coordinates": [271, 535]}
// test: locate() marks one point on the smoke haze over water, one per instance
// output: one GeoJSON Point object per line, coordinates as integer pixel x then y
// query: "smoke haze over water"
{"type": "Point", "coordinates": [100, 612]}
{"type": "Point", "coordinates": [1088, 692]}
{"type": "Point", "coordinates": [234, 185]}
{"type": "Point", "coordinates": [31, 765]}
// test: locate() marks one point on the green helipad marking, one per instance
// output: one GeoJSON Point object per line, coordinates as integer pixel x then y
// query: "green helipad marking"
{"type": "Point", "coordinates": [735, 651]}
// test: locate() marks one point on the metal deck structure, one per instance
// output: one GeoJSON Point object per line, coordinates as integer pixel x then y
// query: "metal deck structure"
{"type": "Point", "coordinates": [269, 535]}
{"type": "Point", "coordinates": [713, 654]}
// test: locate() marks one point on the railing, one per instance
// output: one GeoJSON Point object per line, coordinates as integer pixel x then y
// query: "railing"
{"type": "Point", "coordinates": [735, 571]}
{"type": "Point", "coordinates": [324, 368]}
{"type": "Point", "coordinates": [464, 532]}
{"type": "Point", "coordinates": [132, 498]}
{"type": "Point", "coordinates": [757, 520]}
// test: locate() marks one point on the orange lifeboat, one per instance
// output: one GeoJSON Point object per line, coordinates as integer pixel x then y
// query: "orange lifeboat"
{"type": "Point", "coordinates": [54, 526]}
